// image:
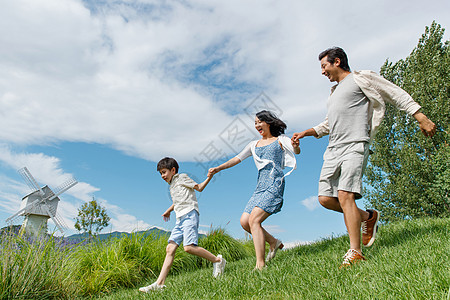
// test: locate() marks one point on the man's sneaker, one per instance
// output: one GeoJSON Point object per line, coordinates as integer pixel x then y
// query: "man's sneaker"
{"type": "Point", "coordinates": [152, 287]}
{"type": "Point", "coordinates": [272, 253]}
{"type": "Point", "coordinates": [352, 256]}
{"type": "Point", "coordinates": [369, 228]}
{"type": "Point", "coordinates": [219, 267]}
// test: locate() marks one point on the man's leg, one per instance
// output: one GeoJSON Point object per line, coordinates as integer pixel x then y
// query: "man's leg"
{"type": "Point", "coordinates": [352, 218]}
{"type": "Point", "coordinates": [332, 203]}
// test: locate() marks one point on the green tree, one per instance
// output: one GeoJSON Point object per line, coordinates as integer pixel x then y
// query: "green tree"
{"type": "Point", "coordinates": [92, 218]}
{"type": "Point", "coordinates": [408, 174]}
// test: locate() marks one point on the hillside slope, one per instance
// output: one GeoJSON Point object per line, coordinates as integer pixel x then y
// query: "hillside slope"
{"type": "Point", "coordinates": [409, 260]}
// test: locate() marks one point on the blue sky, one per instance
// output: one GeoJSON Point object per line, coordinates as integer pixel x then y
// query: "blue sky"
{"type": "Point", "coordinates": [102, 90]}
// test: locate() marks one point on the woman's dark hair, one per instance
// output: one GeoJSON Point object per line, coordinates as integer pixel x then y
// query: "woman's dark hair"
{"type": "Point", "coordinates": [167, 163]}
{"type": "Point", "coordinates": [334, 53]}
{"type": "Point", "coordinates": [276, 126]}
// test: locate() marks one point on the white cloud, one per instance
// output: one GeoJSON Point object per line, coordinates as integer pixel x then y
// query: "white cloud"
{"type": "Point", "coordinates": [146, 77]}
{"type": "Point", "coordinates": [121, 221]}
{"type": "Point", "coordinates": [296, 244]}
{"type": "Point", "coordinates": [273, 229]}
{"type": "Point", "coordinates": [311, 203]}
{"type": "Point", "coordinates": [47, 171]}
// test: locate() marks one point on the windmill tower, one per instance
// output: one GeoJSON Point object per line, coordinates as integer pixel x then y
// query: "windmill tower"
{"type": "Point", "coordinates": [40, 205]}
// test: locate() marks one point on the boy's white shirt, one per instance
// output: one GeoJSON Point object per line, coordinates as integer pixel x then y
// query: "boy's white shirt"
{"type": "Point", "coordinates": [379, 91]}
{"type": "Point", "coordinates": [183, 194]}
{"type": "Point", "coordinates": [288, 157]}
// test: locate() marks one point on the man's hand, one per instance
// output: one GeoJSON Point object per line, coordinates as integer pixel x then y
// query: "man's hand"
{"type": "Point", "coordinates": [298, 135]}
{"type": "Point", "coordinates": [426, 125]}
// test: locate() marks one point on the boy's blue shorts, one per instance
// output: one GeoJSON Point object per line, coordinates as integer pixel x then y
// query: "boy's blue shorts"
{"type": "Point", "coordinates": [186, 229]}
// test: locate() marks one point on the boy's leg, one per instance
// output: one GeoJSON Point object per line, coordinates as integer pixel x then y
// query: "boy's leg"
{"type": "Point", "coordinates": [259, 235]}
{"type": "Point", "coordinates": [201, 252]}
{"type": "Point", "coordinates": [168, 261]}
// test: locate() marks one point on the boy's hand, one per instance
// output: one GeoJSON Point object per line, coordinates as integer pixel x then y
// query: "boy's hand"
{"type": "Point", "coordinates": [166, 216]}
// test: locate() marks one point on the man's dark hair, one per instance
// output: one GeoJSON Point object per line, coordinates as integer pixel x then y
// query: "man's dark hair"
{"type": "Point", "coordinates": [332, 54]}
{"type": "Point", "coordinates": [167, 163]}
{"type": "Point", "coordinates": [276, 126]}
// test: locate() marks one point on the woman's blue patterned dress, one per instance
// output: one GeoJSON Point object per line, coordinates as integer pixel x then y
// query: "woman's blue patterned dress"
{"type": "Point", "coordinates": [269, 190]}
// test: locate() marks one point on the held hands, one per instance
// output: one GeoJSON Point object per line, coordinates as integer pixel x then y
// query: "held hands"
{"type": "Point", "coordinates": [213, 171]}
{"type": "Point", "coordinates": [296, 145]}
{"type": "Point", "coordinates": [296, 136]}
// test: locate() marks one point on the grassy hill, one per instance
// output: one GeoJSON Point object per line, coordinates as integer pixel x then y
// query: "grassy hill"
{"type": "Point", "coordinates": [409, 260]}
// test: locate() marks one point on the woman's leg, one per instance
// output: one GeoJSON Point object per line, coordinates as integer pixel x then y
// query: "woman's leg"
{"type": "Point", "coordinates": [260, 235]}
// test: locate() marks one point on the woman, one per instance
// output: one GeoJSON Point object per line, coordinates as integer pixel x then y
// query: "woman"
{"type": "Point", "coordinates": [272, 153]}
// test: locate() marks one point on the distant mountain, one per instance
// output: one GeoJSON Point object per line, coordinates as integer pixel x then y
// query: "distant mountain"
{"type": "Point", "coordinates": [117, 234]}
{"type": "Point", "coordinates": [102, 236]}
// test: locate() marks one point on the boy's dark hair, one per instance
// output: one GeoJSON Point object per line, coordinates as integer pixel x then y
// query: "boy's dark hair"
{"type": "Point", "coordinates": [167, 163]}
{"type": "Point", "coordinates": [334, 53]}
{"type": "Point", "coordinates": [276, 126]}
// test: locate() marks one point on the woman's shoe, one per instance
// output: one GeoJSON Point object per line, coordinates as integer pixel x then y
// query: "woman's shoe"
{"type": "Point", "coordinates": [272, 253]}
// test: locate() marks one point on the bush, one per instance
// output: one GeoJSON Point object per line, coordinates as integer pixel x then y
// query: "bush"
{"type": "Point", "coordinates": [217, 241]}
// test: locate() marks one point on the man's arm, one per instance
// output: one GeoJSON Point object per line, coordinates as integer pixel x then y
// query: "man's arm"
{"type": "Point", "coordinates": [299, 135]}
{"type": "Point", "coordinates": [426, 125]}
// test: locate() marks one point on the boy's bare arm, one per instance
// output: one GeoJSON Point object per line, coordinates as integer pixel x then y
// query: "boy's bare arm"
{"type": "Point", "coordinates": [166, 214]}
{"type": "Point", "coordinates": [201, 186]}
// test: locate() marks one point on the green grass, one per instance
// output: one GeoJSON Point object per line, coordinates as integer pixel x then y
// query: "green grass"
{"type": "Point", "coordinates": [409, 260]}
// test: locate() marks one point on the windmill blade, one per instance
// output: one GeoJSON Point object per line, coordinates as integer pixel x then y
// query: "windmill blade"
{"type": "Point", "coordinates": [61, 221]}
{"type": "Point", "coordinates": [57, 223]}
{"type": "Point", "coordinates": [29, 179]}
{"type": "Point", "coordinates": [63, 187]}
{"type": "Point", "coordinates": [13, 219]}
{"type": "Point", "coordinates": [58, 217]}
{"type": "Point", "coordinates": [29, 206]}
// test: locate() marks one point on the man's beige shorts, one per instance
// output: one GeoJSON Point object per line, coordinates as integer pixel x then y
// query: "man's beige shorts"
{"type": "Point", "coordinates": [343, 168]}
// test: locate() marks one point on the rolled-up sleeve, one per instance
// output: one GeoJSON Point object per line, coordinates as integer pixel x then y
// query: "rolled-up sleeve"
{"type": "Point", "coordinates": [322, 129]}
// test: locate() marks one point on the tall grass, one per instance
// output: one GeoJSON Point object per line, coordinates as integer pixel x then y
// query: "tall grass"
{"type": "Point", "coordinates": [45, 268]}
{"type": "Point", "coordinates": [37, 269]}
{"type": "Point", "coordinates": [409, 260]}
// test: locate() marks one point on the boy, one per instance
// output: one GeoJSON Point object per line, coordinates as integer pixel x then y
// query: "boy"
{"type": "Point", "coordinates": [186, 228]}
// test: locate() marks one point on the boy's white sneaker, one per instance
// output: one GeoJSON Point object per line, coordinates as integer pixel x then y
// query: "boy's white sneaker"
{"type": "Point", "coordinates": [152, 287]}
{"type": "Point", "coordinates": [219, 267]}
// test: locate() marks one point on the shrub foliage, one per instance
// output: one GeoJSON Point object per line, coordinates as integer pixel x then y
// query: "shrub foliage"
{"type": "Point", "coordinates": [408, 175]}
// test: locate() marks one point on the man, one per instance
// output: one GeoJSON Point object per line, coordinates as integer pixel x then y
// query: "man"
{"type": "Point", "coordinates": [356, 108]}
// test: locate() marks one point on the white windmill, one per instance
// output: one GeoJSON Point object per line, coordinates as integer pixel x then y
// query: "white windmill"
{"type": "Point", "coordinates": [40, 205]}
